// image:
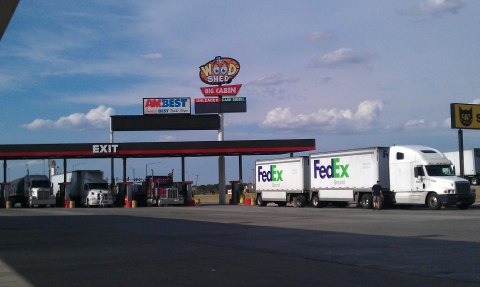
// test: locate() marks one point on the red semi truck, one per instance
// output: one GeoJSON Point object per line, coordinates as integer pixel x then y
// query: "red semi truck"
{"type": "Point", "coordinates": [162, 191]}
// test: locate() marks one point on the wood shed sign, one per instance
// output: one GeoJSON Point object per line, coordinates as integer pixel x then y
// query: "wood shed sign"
{"type": "Point", "coordinates": [219, 71]}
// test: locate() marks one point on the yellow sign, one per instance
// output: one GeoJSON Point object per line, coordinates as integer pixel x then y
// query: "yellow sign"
{"type": "Point", "coordinates": [465, 116]}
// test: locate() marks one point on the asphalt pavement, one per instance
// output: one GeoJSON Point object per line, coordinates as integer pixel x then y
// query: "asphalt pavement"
{"type": "Point", "coordinates": [224, 245]}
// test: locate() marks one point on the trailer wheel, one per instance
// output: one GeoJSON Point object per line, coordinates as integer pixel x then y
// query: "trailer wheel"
{"type": "Point", "coordinates": [317, 203]}
{"type": "Point", "coordinates": [260, 201]}
{"type": "Point", "coordinates": [433, 202]}
{"type": "Point", "coordinates": [299, 201]}
{"type": "Point", "coordinates": [366, 201]}
{"type": "Point", "coordinates": [474, 181]}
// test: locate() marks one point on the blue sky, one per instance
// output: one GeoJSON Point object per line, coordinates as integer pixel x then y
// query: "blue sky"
{"type": "Point", "coordinates": [347, 73]}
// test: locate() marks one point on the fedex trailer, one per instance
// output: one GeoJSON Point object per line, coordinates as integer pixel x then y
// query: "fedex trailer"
{"type": "Point", "coordinates": [342, 177]}
{"type": "Point", "coordinates": [282, 180]}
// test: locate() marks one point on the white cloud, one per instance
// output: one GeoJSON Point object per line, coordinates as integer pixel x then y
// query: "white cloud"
{"type": "Point", "coordinates": [342, 56]}
{"type": "Point", "coordinates": [274, 80]}
{"type": "Point", "coordinates": [96, 118]}
{"type": "Point", "coordinates": [447, 123]}
{"type": "Point", "coordinates": [419, 124]}
{"type": "Point", "coordinates": [362, 119]}
{"type": "Point", "coordinates": [319, 36]}
{"type": "Point", "coordinates": [152, 56]}
{"type": "Point", "coordinates": [5, 81]}
{"type": "Point", "coordinates": [438, 7]}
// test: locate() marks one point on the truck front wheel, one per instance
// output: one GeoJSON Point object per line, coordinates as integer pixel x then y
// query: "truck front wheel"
{"type": "Point", "coordinates": [433, 201]}
{"type": "Point", "coordinates": [366, 200]}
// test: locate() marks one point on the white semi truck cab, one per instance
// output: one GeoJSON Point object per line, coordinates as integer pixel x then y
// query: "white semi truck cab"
{"type": "Point", "coordinates": [98, 195]}
{"type": "Point", "coordinates": [40, 193]}
{"type": "Point", "coordinates": [423, 175]}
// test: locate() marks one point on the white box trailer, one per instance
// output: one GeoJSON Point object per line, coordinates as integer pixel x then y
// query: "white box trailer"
{"type": "Point", "coordinates": [471, 164]}
{"type": "Point", "coordinates": [282, 180]}
{"type": "Point", "coordinates": [347, 176]}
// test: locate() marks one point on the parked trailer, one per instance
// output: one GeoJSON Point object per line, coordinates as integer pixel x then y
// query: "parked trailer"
{"type": "Point", "coordinates": [407, 174]}
{"type": "Point", "coordinates": [282, 181]}
{"type": "Point", "coordinates": [343, 177]}
{"type": "Point", "coordinates": [84, 187]}
{"type": "Point", "coordinates": [471, 164]}
{"type": "Point", "coordinates": [31, 190]}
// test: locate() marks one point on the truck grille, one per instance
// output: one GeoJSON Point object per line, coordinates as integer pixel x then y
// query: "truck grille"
{"type": "Point", "coordinates": [43, 194]}
{"type": "Point", "coordinates": [463, 188]}
{"type": "Point", "coordinates": [172, 193]}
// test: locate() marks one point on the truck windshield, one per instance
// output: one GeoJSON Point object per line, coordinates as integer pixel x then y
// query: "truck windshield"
{"type": "Point", "coordinates": [41, 183]}
{"type": "Point", "coordinates": [99, 185]}
{"type": "Point", "coordinates": [439, 170]}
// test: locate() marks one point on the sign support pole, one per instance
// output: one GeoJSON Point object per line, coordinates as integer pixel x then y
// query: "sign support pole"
{"type": "Point", "coordinates": [460, 152]}
{"type": "Point", "coordinates": [65, 182]}
{"type": "Point", "coordinates": [221, 165]}
{"type": "Point", "coordinates": [112, 161]}
{"type": "Point", "coordinates": [3, 193]}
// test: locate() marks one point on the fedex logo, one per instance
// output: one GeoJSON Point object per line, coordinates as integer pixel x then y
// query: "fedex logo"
{"type": "Point", "coordinates": [333, 170]}
{"type": "Point", "coordinates": [272, 174]}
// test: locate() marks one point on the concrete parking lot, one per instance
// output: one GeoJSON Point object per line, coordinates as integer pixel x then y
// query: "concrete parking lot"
{"type": "Point", "coordinates": [223, 245]}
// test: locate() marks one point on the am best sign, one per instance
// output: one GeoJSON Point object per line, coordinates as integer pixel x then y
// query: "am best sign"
{"type": "Point", "coordinates": [163, 106]}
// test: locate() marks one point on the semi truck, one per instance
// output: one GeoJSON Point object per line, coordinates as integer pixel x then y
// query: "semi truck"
{"type": "Point", "coordinates": [84, 187]}
{"type": "Point", "coordinates": [161, 191]}
{"type": "Point", "coordinates": [408, 175]}
{"type": "Point", "coordinates": [471, 164]}
{"type": "Point", "coordinates": [31, 190]}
